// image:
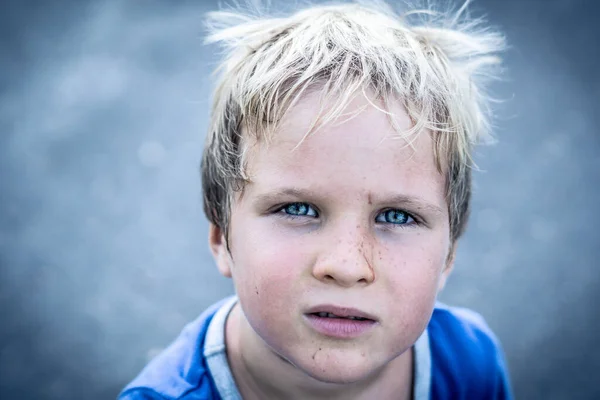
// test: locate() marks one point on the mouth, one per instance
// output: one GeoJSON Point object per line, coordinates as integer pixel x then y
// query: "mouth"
{"type": "Point", "coordinates": [330, 315]}
{"type": "Point", "coordinates": [339, 322]}
{"type": "Point", "coordinates": [331, 311]}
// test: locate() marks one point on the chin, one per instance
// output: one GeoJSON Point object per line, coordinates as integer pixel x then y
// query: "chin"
{"type": "Point", "coordinates": [339, 370]}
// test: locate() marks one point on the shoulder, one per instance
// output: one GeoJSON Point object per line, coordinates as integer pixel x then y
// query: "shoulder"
{"type": "Point", "coordinates": [179, 372]}
{"type": "Point", "coordinates": [467, 358]}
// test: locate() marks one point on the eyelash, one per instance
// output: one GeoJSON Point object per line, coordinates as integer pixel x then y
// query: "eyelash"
{"type": "Point", "coordinates": [411, 219]}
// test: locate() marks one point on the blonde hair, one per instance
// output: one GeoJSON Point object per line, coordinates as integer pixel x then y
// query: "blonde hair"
{"type": "Point", "coordinates": [436, 63]}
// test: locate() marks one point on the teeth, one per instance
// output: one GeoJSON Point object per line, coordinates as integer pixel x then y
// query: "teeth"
{"type": "Point", "coordinates": [330, 315]}
{"type": "Point", "coordinates": [327, 315]}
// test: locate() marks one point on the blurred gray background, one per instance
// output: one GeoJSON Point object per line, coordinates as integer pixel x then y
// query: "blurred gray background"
{"type": "Point", "coordinates": [103, 254]}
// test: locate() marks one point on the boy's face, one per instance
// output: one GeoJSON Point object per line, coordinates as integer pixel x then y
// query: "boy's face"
{"type": "Point", "coordinates": [353, 218]}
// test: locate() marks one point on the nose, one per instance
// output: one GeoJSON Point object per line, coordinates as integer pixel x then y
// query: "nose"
{"type": "Point", "coordinates": [346, 260]}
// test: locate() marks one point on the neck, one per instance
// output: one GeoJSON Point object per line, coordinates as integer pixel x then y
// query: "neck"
{"type": "Point", "coordinates": [260, 373]}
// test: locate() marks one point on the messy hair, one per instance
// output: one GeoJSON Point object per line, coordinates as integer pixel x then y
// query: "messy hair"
{"type": "Point", "coordinates": [436, 63]}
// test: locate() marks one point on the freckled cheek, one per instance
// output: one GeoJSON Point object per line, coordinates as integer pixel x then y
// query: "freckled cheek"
{"type": "Point", "coordinates": [412, 270]}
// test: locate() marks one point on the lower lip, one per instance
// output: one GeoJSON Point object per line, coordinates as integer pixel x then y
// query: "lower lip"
{"type": "Point", "coordinates": [342, 328]}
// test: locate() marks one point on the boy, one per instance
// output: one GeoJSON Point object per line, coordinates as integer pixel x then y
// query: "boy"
{"type": "Point", "coordinates": [336, 178]}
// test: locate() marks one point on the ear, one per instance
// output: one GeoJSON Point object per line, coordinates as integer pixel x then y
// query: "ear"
{"type": "Point", "coordinates": [448, 267]}
{"type": "Point", "coordinates": [218, 248]}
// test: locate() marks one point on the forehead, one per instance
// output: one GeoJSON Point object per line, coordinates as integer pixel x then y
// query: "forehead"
{"type": "Point", "coordinates": [359, 151]}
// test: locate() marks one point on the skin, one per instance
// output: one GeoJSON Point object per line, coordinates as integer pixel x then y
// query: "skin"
{"type": "Point", "coordinates": [344, 251]}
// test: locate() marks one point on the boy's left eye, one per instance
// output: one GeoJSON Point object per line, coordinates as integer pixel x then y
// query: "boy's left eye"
{"type": "Point", "coordinates": [393, 216]}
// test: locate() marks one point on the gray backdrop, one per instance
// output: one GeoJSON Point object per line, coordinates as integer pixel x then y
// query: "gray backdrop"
{"type": "Point", "coordinates": [103, 254]}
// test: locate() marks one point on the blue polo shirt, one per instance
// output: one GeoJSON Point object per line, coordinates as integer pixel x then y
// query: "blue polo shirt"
{"type": "Point", "coordinates": [456, 357]}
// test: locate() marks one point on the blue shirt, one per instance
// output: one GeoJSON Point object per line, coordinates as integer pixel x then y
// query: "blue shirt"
{"type": "Point", "coordinates": [456, 357]}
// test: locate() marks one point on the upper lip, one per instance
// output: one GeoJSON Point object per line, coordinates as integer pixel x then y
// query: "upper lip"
{"type": "Point", "coordinates": [341, 311]}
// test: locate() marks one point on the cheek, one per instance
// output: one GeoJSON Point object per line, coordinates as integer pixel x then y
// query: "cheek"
{"type": "Point", "coordinates": [413, 269]}
{"type": "Point", "coordinates": [268, 266]}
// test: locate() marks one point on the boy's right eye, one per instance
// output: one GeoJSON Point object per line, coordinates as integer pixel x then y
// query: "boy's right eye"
{"type": "Point", "coordinates": [299, 210]}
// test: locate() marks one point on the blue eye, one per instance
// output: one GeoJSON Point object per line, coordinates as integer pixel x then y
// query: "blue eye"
{"type": "Point", "coordinates": [299, 210]}
{"type": "Point", "coordinates": [393, 216]}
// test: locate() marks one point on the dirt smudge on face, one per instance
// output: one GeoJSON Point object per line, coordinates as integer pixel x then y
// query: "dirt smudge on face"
{"type": "Point", "coordinates": [315, 354]}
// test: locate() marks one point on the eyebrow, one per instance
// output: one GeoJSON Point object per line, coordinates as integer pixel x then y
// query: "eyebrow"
{"type": "Point", "coordinates": [413, 202]}
{"type": "Point", "coordinates": [417, 203]}
{"type": "Point", "coordinates": [291, 192]}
